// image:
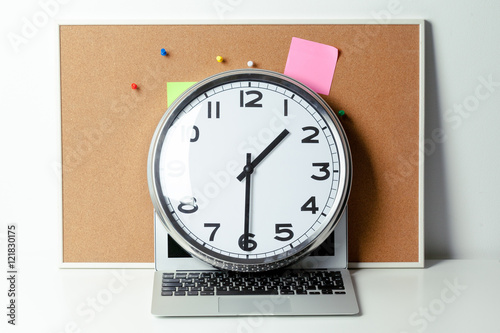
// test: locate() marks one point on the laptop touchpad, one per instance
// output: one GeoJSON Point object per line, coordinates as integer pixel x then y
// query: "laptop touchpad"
{"type": "Point", "coordinates": [261, 305]}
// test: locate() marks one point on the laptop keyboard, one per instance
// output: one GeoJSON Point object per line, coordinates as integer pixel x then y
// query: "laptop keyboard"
{"type": "Point", "coordinates": [238, 283]}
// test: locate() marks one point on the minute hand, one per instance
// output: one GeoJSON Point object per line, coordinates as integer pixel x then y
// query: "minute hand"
{"type": "Point", "coordinates": [264, 153]}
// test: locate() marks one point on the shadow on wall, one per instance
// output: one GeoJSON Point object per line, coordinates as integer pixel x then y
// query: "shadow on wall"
{"type": "Point", "coordinates": [436, 216]}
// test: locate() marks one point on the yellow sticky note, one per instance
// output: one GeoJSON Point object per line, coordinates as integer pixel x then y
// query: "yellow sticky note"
{"type": "Point", "coordinates": [175, 89]}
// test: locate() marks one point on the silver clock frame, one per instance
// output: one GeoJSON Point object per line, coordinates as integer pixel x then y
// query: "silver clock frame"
{"type": "Point", "coordinates": [214, 258]}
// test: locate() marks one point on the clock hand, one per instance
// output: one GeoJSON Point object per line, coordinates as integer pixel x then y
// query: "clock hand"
{"type": "Point", "coordinates": [262, 155]}
{"type": "Point", "coordinates": [248, 172]}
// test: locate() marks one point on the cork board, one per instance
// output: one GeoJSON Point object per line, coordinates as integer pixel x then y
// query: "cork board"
{"type": "Point", "coordinates": [106, 127]}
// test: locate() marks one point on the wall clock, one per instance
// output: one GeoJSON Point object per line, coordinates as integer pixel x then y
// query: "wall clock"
{"type": "Point", "coordinates": [249, 170]}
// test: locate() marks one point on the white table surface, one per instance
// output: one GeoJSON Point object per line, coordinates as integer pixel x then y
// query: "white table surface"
{"type": "Point", "coordinates": [446, 296]}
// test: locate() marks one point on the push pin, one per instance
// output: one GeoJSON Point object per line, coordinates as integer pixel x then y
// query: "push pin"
{"type": "Point", "coordinates": [134, 86]}
{"type": "Point", "coordinates": [219, 59]}
{"type": "Point", "coordinates": [163, 52]}
{"type": "Point", "coordinates": [250, 63]}
{"type": "Point", "coordinates": [341, 113]}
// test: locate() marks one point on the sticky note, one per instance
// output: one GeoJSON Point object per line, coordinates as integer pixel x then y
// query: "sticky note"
{"type": "Point", "coordinates": [312, 63]}
{"type": "Point", "coordinates": [175, 89]}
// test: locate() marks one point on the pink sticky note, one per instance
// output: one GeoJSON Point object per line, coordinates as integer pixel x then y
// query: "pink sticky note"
{"type": "Point", "coordinates": [312, 63]}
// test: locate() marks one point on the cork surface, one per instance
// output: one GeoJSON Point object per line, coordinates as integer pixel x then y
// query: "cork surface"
{"type": "Point", "coordinates": [107, 126]}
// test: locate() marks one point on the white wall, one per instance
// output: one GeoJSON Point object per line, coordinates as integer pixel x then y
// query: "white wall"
{"type": "Point", "coordinates": [462, 218]}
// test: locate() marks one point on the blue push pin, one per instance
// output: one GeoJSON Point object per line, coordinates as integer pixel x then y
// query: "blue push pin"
{"type": "Point", "coordinates": [163, 52]}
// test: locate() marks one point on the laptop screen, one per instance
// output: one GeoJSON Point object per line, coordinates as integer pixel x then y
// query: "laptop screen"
{"type": "Point", "coordinates": [332, 253]}
{"type": "Point", "coordinates": [327, 248]}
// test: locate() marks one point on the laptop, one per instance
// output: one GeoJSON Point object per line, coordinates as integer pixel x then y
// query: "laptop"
{"type": "Point", "coordinates": [319, 284]}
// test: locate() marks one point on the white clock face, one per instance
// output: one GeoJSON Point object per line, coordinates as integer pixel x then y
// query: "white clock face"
{"type": "Point", "coordinates": [250, 171]}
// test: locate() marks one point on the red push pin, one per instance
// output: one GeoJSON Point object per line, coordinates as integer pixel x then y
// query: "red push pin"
{"type": "Point", "coordinates": [134, 86]}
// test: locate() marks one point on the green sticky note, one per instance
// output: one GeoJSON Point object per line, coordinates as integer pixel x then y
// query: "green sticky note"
{"type": "Point", "coordinates": [175, 89]}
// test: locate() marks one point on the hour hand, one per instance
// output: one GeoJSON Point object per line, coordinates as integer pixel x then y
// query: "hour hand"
{"type": "Point", "coordinates": [262, 155]}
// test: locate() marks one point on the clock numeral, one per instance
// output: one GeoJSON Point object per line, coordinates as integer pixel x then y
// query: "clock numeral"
{"type": "Point", "coordinates": [217, 109]}
{"type": "Point", "coordinates": [188, 133]}
{"type": "Point", "coordinates": [285, 107]}
{"type": "Point", "coordinates": [253, 103]}
{"type": "Point", "coordinates": [323, 168]}
{"type": "Point", "coordinates": [216, 227]}
{"type": "Point", "coordinates": [310, 206]}
{"type": "Point", "coordinates": [246, 243]}
{"type": "Point", "coordinates": [282, 228]}
{"type": "Point", "coordinates": [310, 138]}
{"type": "Point", "coordinates": [188, 206]}
{"type": "Point", "coordinates": [196, 133]}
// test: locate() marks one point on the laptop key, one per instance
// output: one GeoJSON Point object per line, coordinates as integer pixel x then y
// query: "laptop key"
{"type": "Point", "coordinates": [246, 292]}
{"type": "Point", "coordinates": [328, 287]}
{"type": "Point", "coordinates": [332, 287]}
{"type": "Point", "coordinates": [167, 293]}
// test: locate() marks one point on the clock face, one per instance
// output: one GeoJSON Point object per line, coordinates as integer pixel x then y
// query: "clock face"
{"type": "Point", "coordinates": [249, 171]}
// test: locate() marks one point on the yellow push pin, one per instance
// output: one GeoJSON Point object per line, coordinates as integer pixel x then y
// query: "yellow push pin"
{"type": "Point", "coordinates": [219, 59]}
